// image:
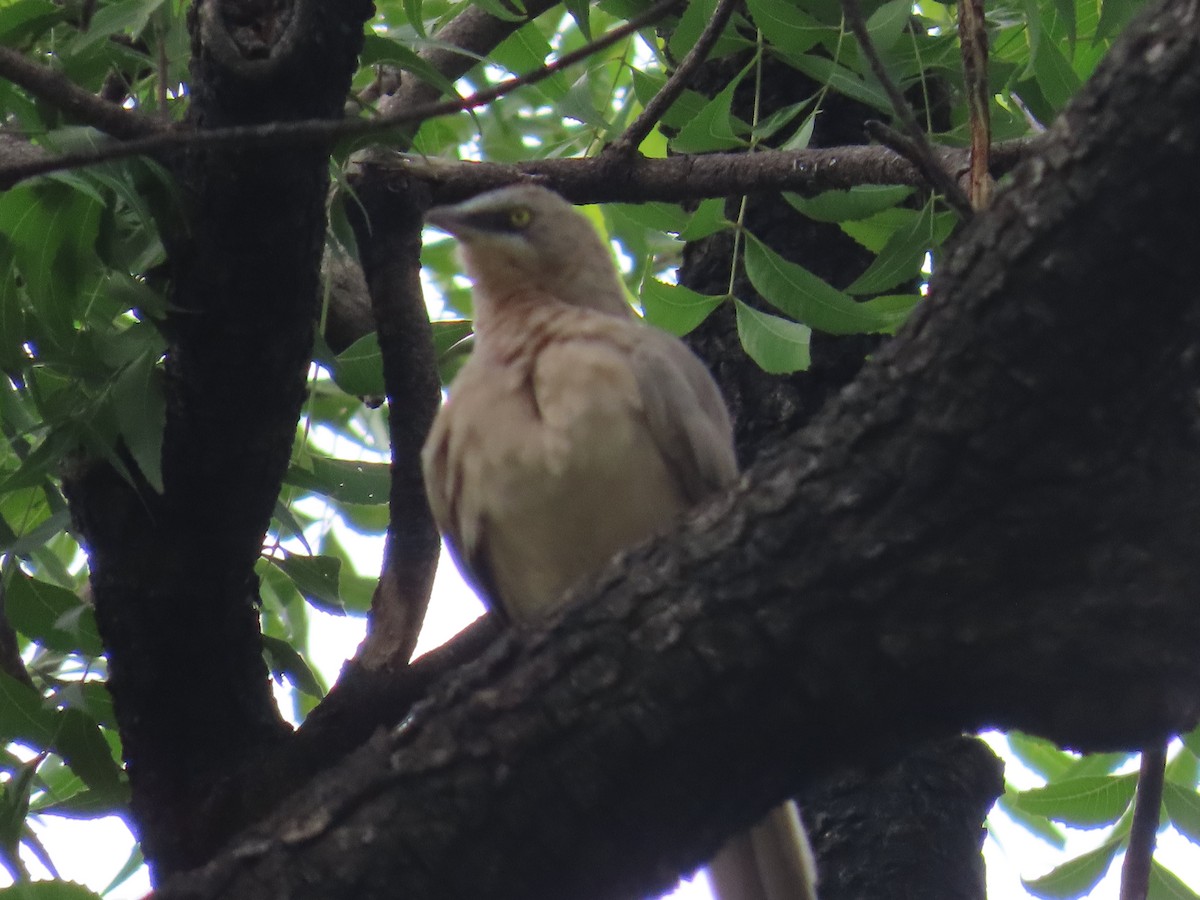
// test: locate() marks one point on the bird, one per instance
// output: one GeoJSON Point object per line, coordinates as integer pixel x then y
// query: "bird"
{"type": "Point", "coordinates": [575, 430]}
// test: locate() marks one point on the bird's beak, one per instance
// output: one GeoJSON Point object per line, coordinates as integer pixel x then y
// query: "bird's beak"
{"type": "Point", "coordinates": [448, 218]}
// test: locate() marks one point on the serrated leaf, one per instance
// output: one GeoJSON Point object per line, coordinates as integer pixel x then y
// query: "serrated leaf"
{"type": "Point", "coordinates": [1036, 825]}
{"type": "Point", "coordinates": [1040, 755]}
{"type": "Point", "coordinates": [1166, 885]}
{"type": "Point", "coordinates": [900, 259]}
{"type": "Point", "coordinates": [316, 577]}
{"type": "Point", "coordinates": [51, 615]}
{"type": "Point", "coordinates": [1055, 76]}
{"type": "Point", "coordinates": [380, 49]}
{"type": "Point", "coordinates": [1183, 809]}
{"type": "Point", "coordinates": [1076, 876]}
{"type": "Point", "coordinates": [779, 346]}
{"type": "Point", "coordinates": [1086, 802]}
{"type": "Point", "coordinates": [841, 79]}
{"type": "Point", "coordinates": [140, 406]}
{"type": "Point", "coordinates": [685, 108]}
{"type": "Point", "coordinates": [845, 206]}
{"type": "Point", "coordinates": [283, 659]}
{"type": "Point", "coordinates": [784, 24]}
{"type": "Point", "coordinates": [809, 300]}
{"type": "Point", "coordinates": [675, 308]}
{"type": "Point", "coordinates": [715, 127]}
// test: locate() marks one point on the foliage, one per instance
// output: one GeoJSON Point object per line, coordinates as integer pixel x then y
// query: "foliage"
{"type": "Point", "coordinates": [84, 290]}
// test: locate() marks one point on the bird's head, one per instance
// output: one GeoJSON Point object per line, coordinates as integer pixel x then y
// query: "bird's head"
{"type": "Point", "coordinates": [523, 238]}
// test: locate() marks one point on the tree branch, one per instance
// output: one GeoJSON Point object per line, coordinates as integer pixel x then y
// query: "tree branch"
{"type": "Point", "coordinates": [639, 179]}
{"type": "Point", "coordinates": [62, 93]}
{"type": "Point", "coordinates": [657, 107]}
{"type": "Point", "coordinates": [1143, 832]}
{"type": "Point", "coordinates": [991, 525]}
{"type": "Point", "coordinates": [388, 230]}
{"type": "Point", "coordinates": [322, 131]}
{"type": "Point", "coordinates": [474, 32]}
{"type": "Point", "coordinates": [922, 153]}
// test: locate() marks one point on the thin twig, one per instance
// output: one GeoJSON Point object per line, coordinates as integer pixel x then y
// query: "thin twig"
{"type": "Point", "coordinates": [1139, 857]}
{"type": "Point", "coordinates": [274, 134]}
{"type": "Point", "coordinates": [661, 102]}
{"type": "Point", "coordinates": [917, 142]}
{"type": "Point", "coordinates": [60, 92]}
{"type": "Point", "coordinates": [972, 35]}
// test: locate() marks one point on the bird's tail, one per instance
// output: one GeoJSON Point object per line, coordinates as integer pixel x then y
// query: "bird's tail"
{"type": "Point", "coordinates": [771, 861]}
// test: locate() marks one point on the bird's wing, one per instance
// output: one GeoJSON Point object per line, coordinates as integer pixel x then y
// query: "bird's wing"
{"type": "Point", "coordinates": [445, 459]}
{"type": "Point", "coordinates": [685, 413]}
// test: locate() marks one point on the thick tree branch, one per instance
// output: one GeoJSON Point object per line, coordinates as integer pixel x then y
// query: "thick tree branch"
{"type": "Point", "coordinates": [640, 179]}
{"type": "Point", "coordinates": [992, 525]}
{"type": "Point", "coordinates": [389, 241]}
{"type": "Point", "coordinates": [83, 106]}
{"type": "Point", "coordinates": [173, 573]}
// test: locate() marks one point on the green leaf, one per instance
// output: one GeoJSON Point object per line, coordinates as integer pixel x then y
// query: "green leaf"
{"type": "Point", "coordinates": [841, 79]}
{"type": "Point", "coordinates": [675, 308]}
{"type": "Point", "coordinates": [23, 715]}
{"type": "Point", "coordinates": [351, 481]}
{"type": "Point", "coordinates": [1114, 16]}
{"type": "Point", "coordinates": [23, 21]}
{"type": "Point", "coordinates": [1086, 802]}
{"type": "Point", "coordinates": [1165, 885]}
{"type": "Point", "coordinates": [1036, 825]}
{"type": "Point", "coordinates": [135, 862]}
{"type": "Point", "coordinates": [137, 396]}
{"type": "Point", "coordinates": [358, 369]}
{"type": "Point", "coordinates": [502, 11]}
{"type": "Point", "coordinates": [1191, 740]}
{"type": "Point", "coordinates": [1040, 755]}
{"type": "Point", "coordinates": [1055, 76]}
{"type": "Point", "coordinates": [48, 890]}
{"type": "Point", "coordinates": [380, 49]}
{"type": "Point", "coordinates": [283, 659]}
{"type": "Point", "coordinates": [128, 17]}
{"type": "Point", "coordinates": [1077, 876]}
{"type": "Point", "coordinates": [715, 127]}
{"type": "Point", "coordinates": [778, 346]}
{"type": "Point", "coordinates": [900, 259]}
{"type": "Point", "coordinates": [844, 206]}
{"type": "Point", "coordinates": [527, 49]}
{"type": "Point", "coordinates": [783, 24]}
{"type": "Point", "coordinates": [886, 24]}
{"type": "Point", "coordinates": [51, 615]}
{"type": "Point", "coordinates": [1183, 809]}
{"type": "Point", "coordinates": [316, 577]}
{"type": "Point", "coordinates": [14, 801]}
{"type": "Point", "coordinates": [809, 300]}
{"type": "Point", "coordinates": [685, 108]}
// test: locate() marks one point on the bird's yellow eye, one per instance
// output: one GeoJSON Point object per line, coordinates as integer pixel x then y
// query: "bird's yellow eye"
{"type": "Point", "coordinates": [520, 217]}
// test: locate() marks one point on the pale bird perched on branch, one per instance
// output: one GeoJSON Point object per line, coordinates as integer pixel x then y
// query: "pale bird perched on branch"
{"type": "Point", "coordinates": [574, 431]}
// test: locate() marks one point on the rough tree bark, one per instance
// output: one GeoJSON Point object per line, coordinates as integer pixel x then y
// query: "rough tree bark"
{"type": "Point", "coordinates": [172, 574]}
{"type": "Point", "coordinates": [992, 525]}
